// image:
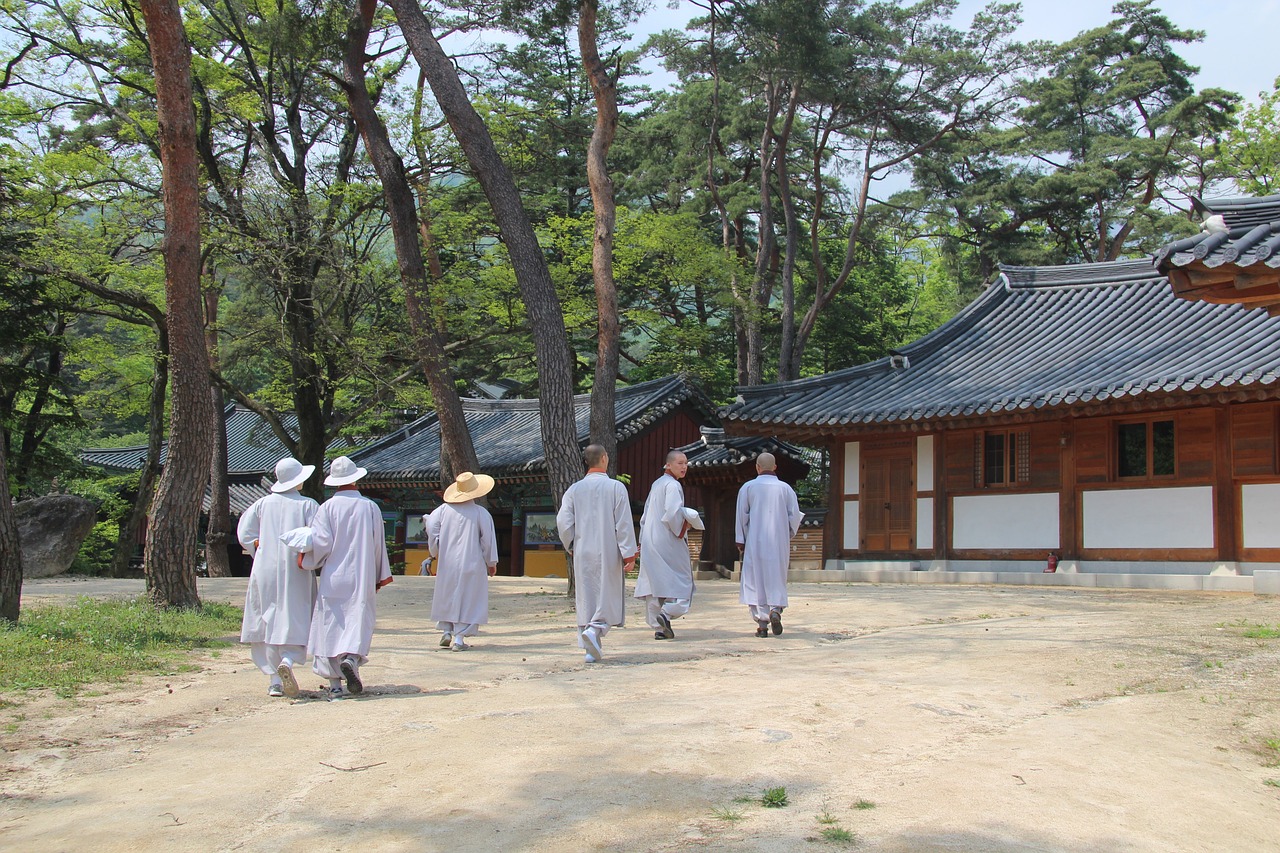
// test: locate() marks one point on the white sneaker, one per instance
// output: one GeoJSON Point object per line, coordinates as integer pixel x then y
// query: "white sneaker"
{"type": "Point", "coordinates": [591, 658]}
{"type": "Point", "coordinates": [288, 684]}
{"type": "Point", "coordinates": [275, 691]}
{"type": "Point", "coordinates": [591, 641]}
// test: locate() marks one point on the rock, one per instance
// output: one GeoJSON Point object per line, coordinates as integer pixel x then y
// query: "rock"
{"type": "Point", "coordinates": [50, 530]}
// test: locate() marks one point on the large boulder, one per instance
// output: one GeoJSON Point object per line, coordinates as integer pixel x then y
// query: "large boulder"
{"type": "Point", "coordinates": [50, 530]}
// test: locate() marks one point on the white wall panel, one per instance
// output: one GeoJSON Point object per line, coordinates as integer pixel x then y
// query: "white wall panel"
{"type": "Point", "coordinates": [924, 523]}
{"type": "Point", "coordinates": [924, 463]}
{"type": "Point", "coordinates": [1149, 518]}
{"type": "Point", "coordinates": [851, 525]}
{"type": "Point", "coordinates": [852, 469]}
{"type": "Point", "coordinates": [1260, 508]}
{"type": "Point", "coordinates": [1002, 521]}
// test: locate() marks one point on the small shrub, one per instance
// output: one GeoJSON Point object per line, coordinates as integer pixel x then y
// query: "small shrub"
{"type": "Point", "coordinates": [838, 835]}
{"type": "Point", "coordinates": [774, 798]}
{"type": "Point", "coordinates": [863, 805]}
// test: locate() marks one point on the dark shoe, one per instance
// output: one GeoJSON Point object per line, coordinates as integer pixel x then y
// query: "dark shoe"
{"type": "Point", "coordinates": [667, 631]}
{"type": "Point", "coordinates": [762, 631]}
{"type": "Point", "coordinates": [775, 622]}
{"type": "Point", "coordinates": [658, 635]}
{"type": "Point", "coordinates": [445, 640]}
{"type": "Point", "coordinates": [354, 685]}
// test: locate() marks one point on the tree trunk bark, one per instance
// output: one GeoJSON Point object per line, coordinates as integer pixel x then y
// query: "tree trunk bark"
{"type": "Point", "coordinates": [218, 535]}
{"type": "Point", "coordinates": [171, 549]}
{"type": "Point", "coordinates": [761, 282]}
{"type": "Point", "coordinates": [127, 538]}
{"type": "Point", "coordinates": [458, 451]}
{"type": "Point", "coordinates": [546, 321]}
{"type": "Point", "coordinates": [788, 357]}
{"type": "Point", "coordinates": [10, 552]}
{"type": "Point", "coordinates": [603, 430]}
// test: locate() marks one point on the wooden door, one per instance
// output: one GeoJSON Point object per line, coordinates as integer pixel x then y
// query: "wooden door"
{"type": "Point", "coordinates": [888, 498]}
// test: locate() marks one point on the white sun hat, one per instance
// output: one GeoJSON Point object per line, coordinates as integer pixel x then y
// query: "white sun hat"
{"type": "Point", "coordinates": [290, 473]}
{"type": "Point", "coordinates": [695, 520]}
{"type": "Point", "coordinates": [342, 472]}
{"type": "Point", "coordinates": [468, 487]}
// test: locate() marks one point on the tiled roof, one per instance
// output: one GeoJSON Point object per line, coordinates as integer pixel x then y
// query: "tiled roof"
{"type": "Point", "coordinates": [507, 433]}
{"type": "Point", "coordinates": [1251, 236]}
{"type": "Point", "coordinates": [717, 450]}
{"type": "Point", "coordinates": [252, 448]}
{"type": "Point", "coordinates": [1038, 338]}
{"type": "Point", "coordinates": [241, 495]}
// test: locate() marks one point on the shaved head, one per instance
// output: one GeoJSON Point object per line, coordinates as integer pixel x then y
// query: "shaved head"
{"type": "Point", "coordinates": [766, 462]}
{"type": "Point", "coordinates": [594, 455]}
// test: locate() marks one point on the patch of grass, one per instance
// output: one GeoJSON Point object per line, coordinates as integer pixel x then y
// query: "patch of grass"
{"type": "Point", "coordinates": [863, 805]}
{"type": "Point", "coordinates": [1275, 783]}
{"type": "Point", "coordinates": [838, 835]}
{"type": "Point", "coordinates": [65, 647]}
{"type": "Point", "coordinates": [827, 819]}
{"type": "Point", "coordinates": [1263, 632]}
{"type": "Point", "coordinates": [774, 798]}
{"type": "Point", "coordinates": [1213, 664]}
{"type": "Point", "coordinates": [728, 815]}
{"type": "Point", "coordinates": [985, 616]}
{"type": "Point", "coordinates": [746, 798]}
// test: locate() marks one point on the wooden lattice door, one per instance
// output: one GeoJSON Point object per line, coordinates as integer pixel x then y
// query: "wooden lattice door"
{"type": "Point", "coordinates": [888, 498]}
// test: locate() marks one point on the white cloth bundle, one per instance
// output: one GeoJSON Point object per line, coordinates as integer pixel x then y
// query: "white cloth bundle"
{"type": "Point", "coordinates": [299, 539]}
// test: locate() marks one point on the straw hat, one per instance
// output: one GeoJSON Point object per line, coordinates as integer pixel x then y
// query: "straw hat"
{"type": "Point", "coordinates": [290, 473]}
{"type": "Point", "coordinates": [695, 520]}
{"type": "Point", "coordinates": [468, 487]}
{"type": "Point", "coordinates": [342, 472]}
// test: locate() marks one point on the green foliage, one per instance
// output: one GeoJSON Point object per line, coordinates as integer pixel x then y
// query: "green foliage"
{"type": "Point", "coordinates": [774, 798]}
{"type": "Point", "coordinates": [68, 647]}
{"type": "Point", "coordinates": [1251, 150]}
{"type": "Point", "coordinates": [1263, 632]}
{"type": "Point", "coordinates": [838, 835]}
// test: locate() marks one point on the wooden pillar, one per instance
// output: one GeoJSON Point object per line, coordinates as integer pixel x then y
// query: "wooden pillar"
{"type": "Point", "coordinates": [941, 507]}
{"type": "Point", "coordinates": [1069, 534]}
{"type": "Point", "coordinates": [833, 527]}
{"type": "Point", "coordinates": [1226, 513]}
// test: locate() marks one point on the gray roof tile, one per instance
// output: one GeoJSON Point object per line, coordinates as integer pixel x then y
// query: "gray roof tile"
{"type": "Point", "coordinates": [1037, 338]}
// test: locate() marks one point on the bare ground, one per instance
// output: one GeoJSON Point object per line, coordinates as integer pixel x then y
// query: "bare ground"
{"type": "Point", "coordinates": [897, 718]}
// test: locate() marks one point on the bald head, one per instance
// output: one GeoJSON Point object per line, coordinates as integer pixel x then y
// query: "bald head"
{"type": "Point", "coordinates": [765, 462]}
{"type": "Point", "coordinates": [595, 456]}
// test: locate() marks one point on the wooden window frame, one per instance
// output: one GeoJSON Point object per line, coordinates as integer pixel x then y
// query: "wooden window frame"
{"type": "Point", "coordinates": [1149, 422]}
{"type": "Point", "coordinates": [1017, 462]}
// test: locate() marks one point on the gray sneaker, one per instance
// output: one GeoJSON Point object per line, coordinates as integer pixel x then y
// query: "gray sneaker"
{"type": "Point", "coordinates": [445, 640]}
{"type": "Point", "coordinates": [354, 685]}
{"type": "Point", "coordinates": [275, 691]}
{"type": "Point", "coordinates": [667, 631]}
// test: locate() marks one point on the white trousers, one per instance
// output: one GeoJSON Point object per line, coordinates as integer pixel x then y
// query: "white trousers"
{"type": "Point", "coordinates": [673, 607]}
{"type": "Point", "coordinates": [760, 612]}
{"type": "Point", "coordinates": [458, 629]}
{"type": "Point", "coordinates": [268, 656]}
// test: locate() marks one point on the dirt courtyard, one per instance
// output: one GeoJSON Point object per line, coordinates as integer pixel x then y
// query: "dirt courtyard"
{"type": "Point", "coordinates": [897, 718]}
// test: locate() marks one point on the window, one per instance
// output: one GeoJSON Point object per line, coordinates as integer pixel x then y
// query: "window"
{"type": "Point", "coordinates": [1145, 449]}
{"type": "Point", "coordinates": [1004, 457]}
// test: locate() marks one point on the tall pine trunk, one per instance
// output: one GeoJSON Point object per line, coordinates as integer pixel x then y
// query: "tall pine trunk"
{"type": "Point", "coordinates": [171, 549]}
{"type": "Point", "coordinates": [603, 429]}
{"type": "Point", "coordinates": [546, 320]}
{"type": "Point", "coordinates": [10, 552]}
{"type": "Point", "coordinates": [458, 451]}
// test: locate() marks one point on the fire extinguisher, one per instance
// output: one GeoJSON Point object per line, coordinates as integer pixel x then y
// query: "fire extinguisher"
{"type": "Point", "coordinates": [1052, 565]}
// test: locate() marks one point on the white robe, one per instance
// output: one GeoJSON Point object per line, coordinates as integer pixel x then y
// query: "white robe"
{"type": "Point", "coordinates": [348, 543]}
{"type": "Point", "coordinates": [280, 597]}
{"type": "Point", "coordinates": [768, 515]}
{"type": "Point", "coordinates": [595, 525]}
{"type": "Point", "coordinates": [465, 544]}
{"type": "Point", "coordinates": [665, 567]}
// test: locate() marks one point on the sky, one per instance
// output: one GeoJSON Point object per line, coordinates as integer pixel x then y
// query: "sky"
{"type": "Point", "coordinates": [1238, 52]}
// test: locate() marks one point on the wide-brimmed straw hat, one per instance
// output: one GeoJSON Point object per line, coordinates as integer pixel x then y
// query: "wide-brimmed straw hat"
{"type": "Point", "coordinates": [290, 473]}
{"type": "Point", "coordinates": [468, 487]}
{"type": "Point", "coordinates": [695, 520]}
{"type": "Point", "coordinates": [342, 472]}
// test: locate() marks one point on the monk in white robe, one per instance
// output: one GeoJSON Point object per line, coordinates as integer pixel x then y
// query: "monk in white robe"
{"type": "Point", "coordinates": [349, 548]}
{"type": "Point", "coordinates": [666, 571]}
{"type": "Point", "coordinates": [595, 526]}
{"type": "Point", "coordinates": [278, 602]}
{"type": "Point", "coordinates": [768, 515]}
{"type": "Point", "coordinates": [462, 538]}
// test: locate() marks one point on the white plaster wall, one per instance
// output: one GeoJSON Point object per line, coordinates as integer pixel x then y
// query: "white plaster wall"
{"type": "Point", "coordinates": [924, 523]}
{"type": "Point", "coordinates": [1149, 518]}
{"type": "Point", "coordinates": [1260, 508]}
{"type": "Point", "coordinates": [851, 468]}
{"type": "Point", "coordinates": [924, 464]}
{"type": "Point", "coordinates": [1006, 521]}
{"type": "Point", "coordinates": [851, 525]}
